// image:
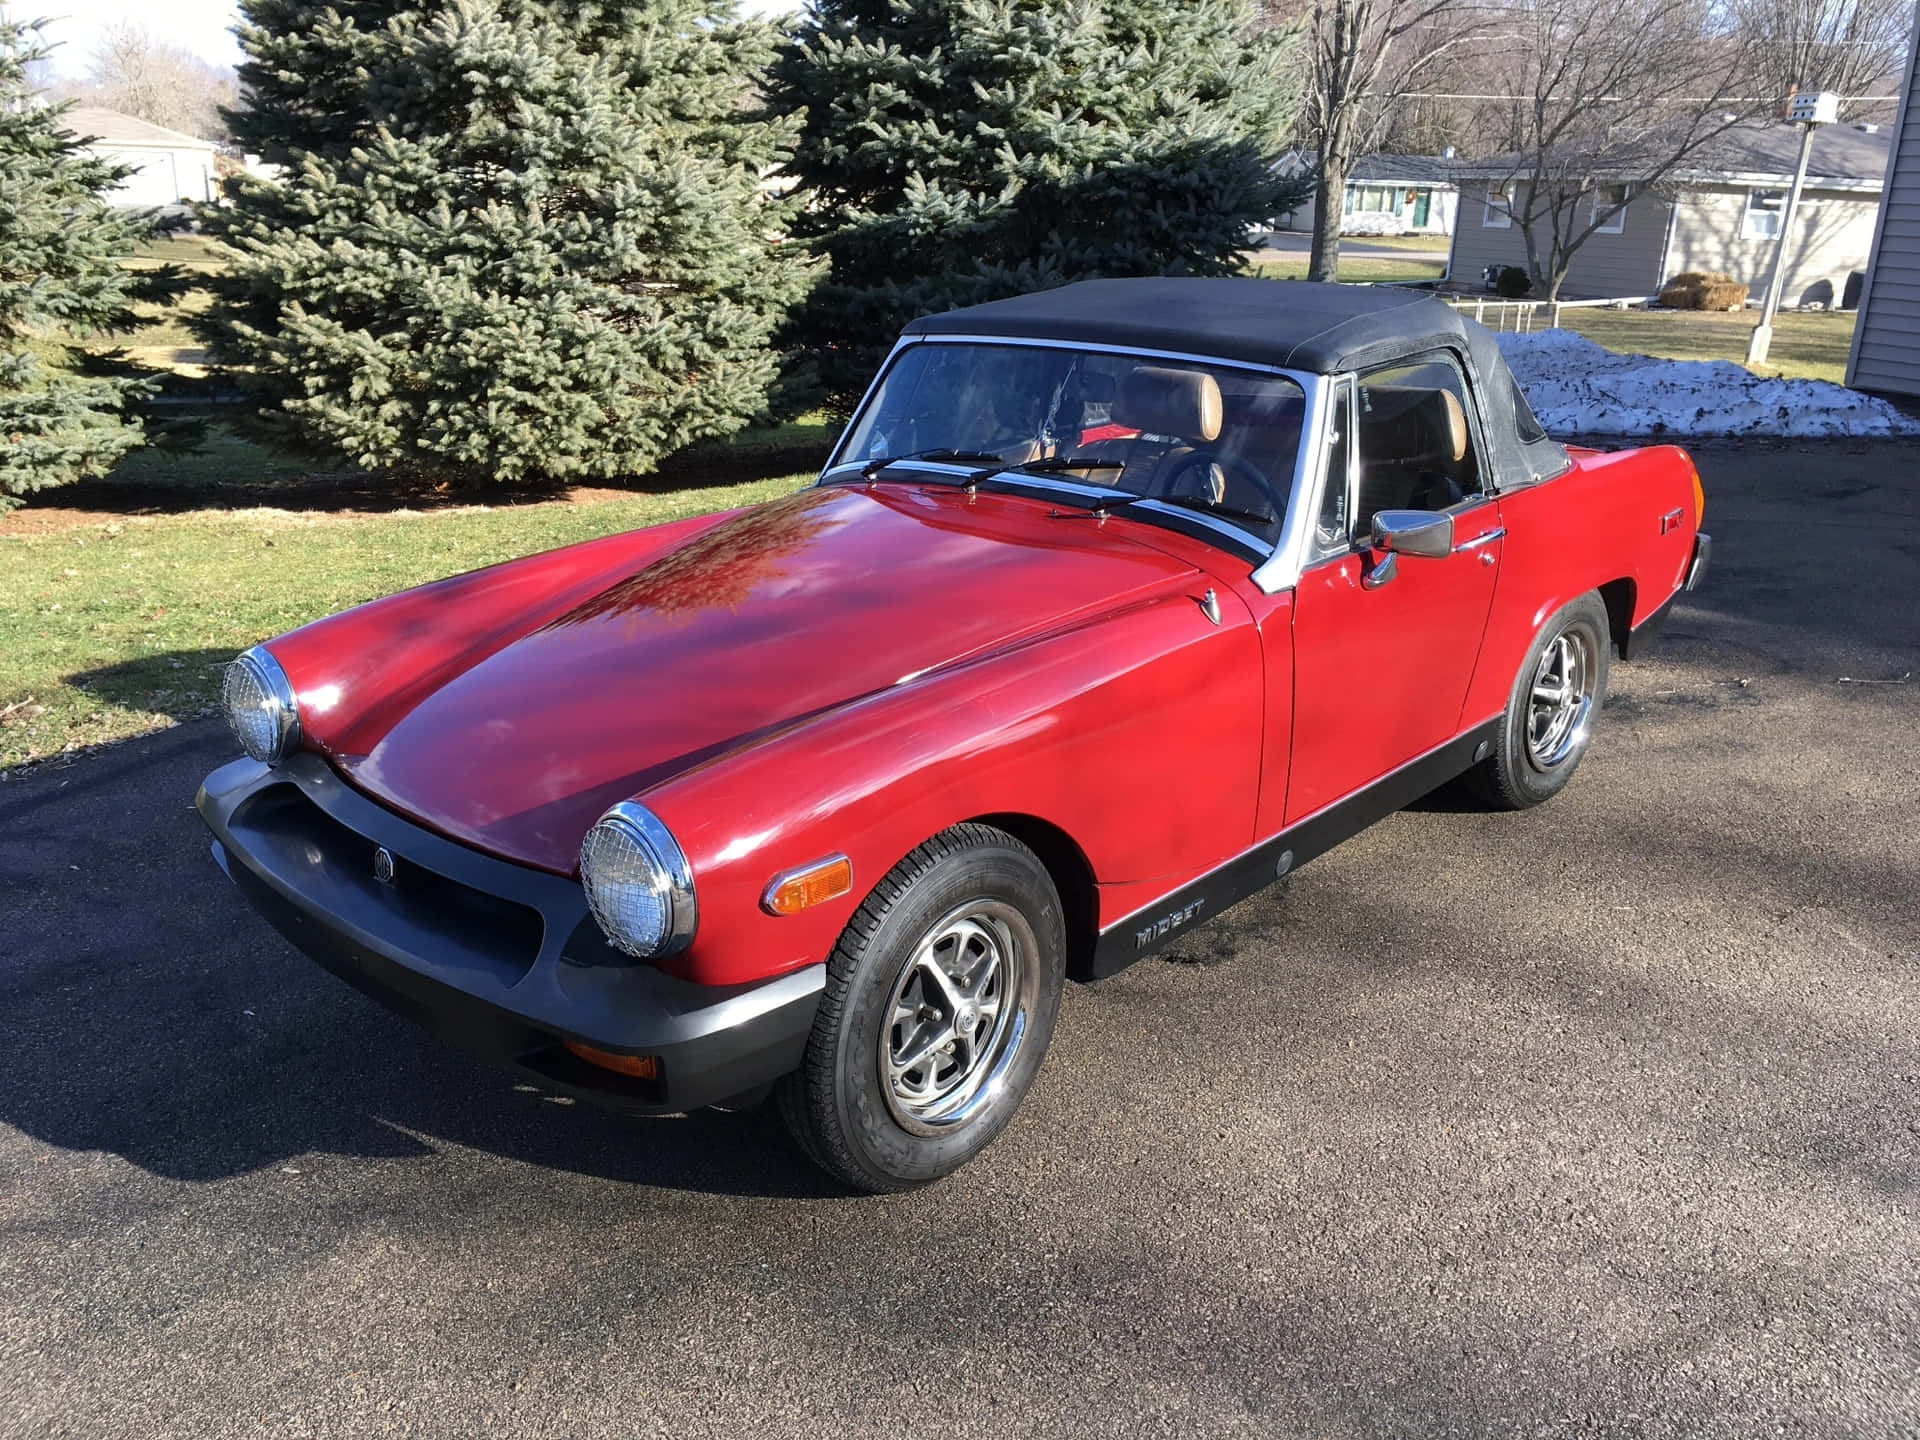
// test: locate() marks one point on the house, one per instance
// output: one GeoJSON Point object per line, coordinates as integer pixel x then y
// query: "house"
{"type": "Point", "coordinates": [1722, 213]}
{"type": "Point", "coordinates": [1386, 195]}
{"type": "Point", "coordinates": [1886, 341]}
{"type": "Point", "coordinates": [169, 168]}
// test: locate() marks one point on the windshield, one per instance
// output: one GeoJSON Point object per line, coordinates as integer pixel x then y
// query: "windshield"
{"type": "Point", "coordinates": [1205, 438]}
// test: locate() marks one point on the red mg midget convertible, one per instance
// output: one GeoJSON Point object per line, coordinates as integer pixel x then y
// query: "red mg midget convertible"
{"type": "Point", "coordinates": [1114, 605]}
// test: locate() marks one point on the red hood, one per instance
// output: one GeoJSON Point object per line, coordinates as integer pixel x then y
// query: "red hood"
{"type": "Point", "coordinates": [760, 622]}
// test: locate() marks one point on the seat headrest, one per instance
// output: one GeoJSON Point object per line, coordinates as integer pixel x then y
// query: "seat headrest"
{"type": "Point", "coordinates": [1409, 425]}
{"type": "Point", "coordinates": [1162, 401]}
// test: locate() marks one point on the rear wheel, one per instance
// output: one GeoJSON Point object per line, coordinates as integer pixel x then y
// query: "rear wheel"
{"type": "Point", "coordinates": [1550, 715]}
{"type": "Point", "coordinates": [939, 1004]}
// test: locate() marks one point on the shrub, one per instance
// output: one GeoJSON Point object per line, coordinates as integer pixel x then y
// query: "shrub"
{"type": "Point", "coordinates": [63, 414]}
{"type": "Point", "coordinates": [1703, 290]}
{"type": "Point", "coordinates": [956, 151]}
{"type": "Point", "coordinates": [1514, 283]}
{"type": "Point", "coordinates": [516, 240]}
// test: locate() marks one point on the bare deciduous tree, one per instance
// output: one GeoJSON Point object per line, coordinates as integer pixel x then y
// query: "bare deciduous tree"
{"type": "Point", "coordinates": [162, 84]}
{"type": "Point", "coordinates": [1612, 98]}
{"type": "Point", "coordinates": [1852, 47]}
{"type": "Point", "coordinates": [1363, 57]}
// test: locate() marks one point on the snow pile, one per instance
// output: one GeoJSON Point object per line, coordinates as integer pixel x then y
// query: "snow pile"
{"type": "Point", "coordinates": [1579, 388]}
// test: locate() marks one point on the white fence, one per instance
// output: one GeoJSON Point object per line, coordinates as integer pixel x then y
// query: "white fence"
{"type": "Point", "coordinates": [1522, 316]}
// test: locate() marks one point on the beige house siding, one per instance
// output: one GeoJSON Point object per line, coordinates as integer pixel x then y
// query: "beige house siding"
{"type": "Point", "coordinates": [1606, 265]}
{"type": "Point", "coordinates": [1886, 343]}
{"type": "Point", "coordinates": [1832, 232]}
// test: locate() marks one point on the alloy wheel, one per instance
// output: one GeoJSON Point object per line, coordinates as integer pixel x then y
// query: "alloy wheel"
{"type": "Point", "coordinates": [1561, 705]}
{"type": "Point", "coordinates": [956, 1017]}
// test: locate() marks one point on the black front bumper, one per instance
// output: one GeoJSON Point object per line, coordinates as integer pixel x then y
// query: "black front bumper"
{"type": "Point", "coordinates": [502, 960]}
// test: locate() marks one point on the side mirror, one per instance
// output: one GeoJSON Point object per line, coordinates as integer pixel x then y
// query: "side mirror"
{"type": "Point", "coordinates": [1413, 532]}
{"type": "Point", "coordinates": [1406, 532]}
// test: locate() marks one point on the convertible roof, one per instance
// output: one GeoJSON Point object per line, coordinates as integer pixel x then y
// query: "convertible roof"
{"type": "Point", "coordinates": [1322, 328]}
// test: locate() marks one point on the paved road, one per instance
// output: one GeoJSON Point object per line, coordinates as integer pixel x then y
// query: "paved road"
{"type": "Point", "coordinates": [1599, 1119]}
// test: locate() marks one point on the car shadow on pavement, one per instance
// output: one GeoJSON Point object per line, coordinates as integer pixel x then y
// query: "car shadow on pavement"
{"type": "Point", "coordinates": [151, 1015]}
{"type": "Point", "coordinates": [181, 684]}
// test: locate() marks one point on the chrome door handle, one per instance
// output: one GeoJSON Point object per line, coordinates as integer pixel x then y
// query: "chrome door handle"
{"type": "Point", "coordinates": [1480, 540]}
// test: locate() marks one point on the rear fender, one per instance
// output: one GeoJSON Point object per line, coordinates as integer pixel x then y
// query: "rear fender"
{"type": "Point", "coordinates": [1596, 526]}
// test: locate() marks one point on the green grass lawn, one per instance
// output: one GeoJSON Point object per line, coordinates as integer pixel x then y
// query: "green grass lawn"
{"type": "Point", "coordinates": [111, 629]}
{"type": "Point", "coordinates": [1810, 346]}
{"type": "Point", "coordinates": [1415, 244]}
{"type": "Point", "coordinates": [222, 467]}
{"type": "Point", "coordinates": [1294, 267]}
{"type": "Point", "coordinates": [189, 252]}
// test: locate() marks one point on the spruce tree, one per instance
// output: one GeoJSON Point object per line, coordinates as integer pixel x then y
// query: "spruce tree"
{"type": "Point", "coordinates": [510, 239]}
{"type": "Point", "coordinates": [955, 151]}
{"type": "Point", "coordinates": [63, 414]}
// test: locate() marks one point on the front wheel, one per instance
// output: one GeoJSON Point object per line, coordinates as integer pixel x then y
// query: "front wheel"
{"type": "Point", "coordinates": [939, 1004]}
{"type": "Point", "coordinates": [1556, 699]}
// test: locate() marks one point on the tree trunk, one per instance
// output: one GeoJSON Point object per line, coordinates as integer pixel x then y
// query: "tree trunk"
{"type": "Point", "coordinates": [1329, 210]}
{"type": "Point", "coordinates": [1544, 280]}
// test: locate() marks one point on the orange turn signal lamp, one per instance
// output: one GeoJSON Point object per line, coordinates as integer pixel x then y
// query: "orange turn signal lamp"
{"type": "Point", "coordinates": [641, 1067]}
{"type": "Point", "coordinates": [805, 886]}
{"type": "Point", "coordinates": [1699, 500]}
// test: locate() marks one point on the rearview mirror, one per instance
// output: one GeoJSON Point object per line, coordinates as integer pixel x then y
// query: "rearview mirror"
{"type": "Point", "coordinates": [1413, 532]}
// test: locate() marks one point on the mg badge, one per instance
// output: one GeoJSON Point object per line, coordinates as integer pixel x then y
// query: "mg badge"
{"type": "Point", "coordinates": [383, 865]}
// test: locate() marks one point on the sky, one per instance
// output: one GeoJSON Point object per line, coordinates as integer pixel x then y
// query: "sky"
{"type": "Point", "coordinates": [200, 26]}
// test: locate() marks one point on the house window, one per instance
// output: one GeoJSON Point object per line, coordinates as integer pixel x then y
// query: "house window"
{"type": "Point", "coordinates": [1370, 199]}
{"type": "Point", "coordinates": [1499, 211]}
{"type": "Point", "coordinates": [1763, 213]}
{"type": "Point", "coordinates": [1611, 198]}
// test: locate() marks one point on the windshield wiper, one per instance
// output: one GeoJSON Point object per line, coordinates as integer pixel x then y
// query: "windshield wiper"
{"type": "Point", "coordinates": [1205, 507]}
{"type": "Point", "coordinates": [1061, 464]}
{"type": "Point", "coordinates": [872, 468]}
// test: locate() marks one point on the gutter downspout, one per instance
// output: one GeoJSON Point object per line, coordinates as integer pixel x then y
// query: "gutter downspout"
{"type": "Point", "coordinates": [1453, 239]}
{"type": "Point", "coordinates": [1666, 246]}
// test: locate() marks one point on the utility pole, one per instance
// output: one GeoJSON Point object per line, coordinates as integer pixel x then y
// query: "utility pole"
{"type": "Point", "coordinates": [1806, 111]}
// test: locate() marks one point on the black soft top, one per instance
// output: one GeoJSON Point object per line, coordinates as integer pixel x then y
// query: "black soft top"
{"type": "Point", "coordinates": [1324, 329]}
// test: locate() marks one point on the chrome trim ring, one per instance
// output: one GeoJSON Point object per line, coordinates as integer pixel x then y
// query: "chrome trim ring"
{"type": "Point", "coordinates": [1560, 705]}
{"type": "Point", "coordinates": [672, 877]}
{"type": "Point", "coordinates": [956, 1018]}
{"type": "Point", "coordinates": [273, 694]}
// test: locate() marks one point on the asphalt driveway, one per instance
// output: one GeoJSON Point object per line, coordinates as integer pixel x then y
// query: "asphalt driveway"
{"type": "Point", "coordinates": [1604, 1118]}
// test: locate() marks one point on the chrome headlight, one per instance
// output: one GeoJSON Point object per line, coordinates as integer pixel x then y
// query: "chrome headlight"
{"type": "Point", "coordinates": [260, 706]}
{"type": "Point", "coordinates": [639, 885]}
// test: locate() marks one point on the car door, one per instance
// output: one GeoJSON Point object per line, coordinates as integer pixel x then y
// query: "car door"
{"type": "Point", "coordinates": [1385, 645]}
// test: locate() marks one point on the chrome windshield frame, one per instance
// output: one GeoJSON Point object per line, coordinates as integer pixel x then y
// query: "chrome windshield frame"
{"type": "Point", "coordinates": [1285, 558]}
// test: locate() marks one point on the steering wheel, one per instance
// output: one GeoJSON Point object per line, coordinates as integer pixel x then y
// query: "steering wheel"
{"type": "Point", "coordinates": [1173, 478]}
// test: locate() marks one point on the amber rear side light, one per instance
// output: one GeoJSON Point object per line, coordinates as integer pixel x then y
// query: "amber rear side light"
{"type": "Point", "coordinates": [1699, 500]}
{"type": "Point", "coordinates": [642, 1067]}
{"type": "Point", "coordinates": [792, 891]}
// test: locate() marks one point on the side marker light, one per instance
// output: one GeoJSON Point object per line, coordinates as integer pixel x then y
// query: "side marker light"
{"type": "Point", "coordinates": [805, 886]}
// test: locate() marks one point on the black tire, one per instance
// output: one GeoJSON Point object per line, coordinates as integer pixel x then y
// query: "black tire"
{"type": "Point", "coordinates": [968, 886]}
{"type": "Point", "coordinates": [1519, 774]}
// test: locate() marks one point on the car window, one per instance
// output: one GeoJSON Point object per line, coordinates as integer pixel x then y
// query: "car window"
{"type": "Point", "coordinates": [1525, 423]}
{"type": "Point", "coordinates": [1207, 439]}
{"type": "Point", "coordinates": [1413, 441]}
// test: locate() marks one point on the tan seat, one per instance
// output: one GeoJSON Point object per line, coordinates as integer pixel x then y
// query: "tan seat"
{"type": "Point", "coordinates": [1179, 404]}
